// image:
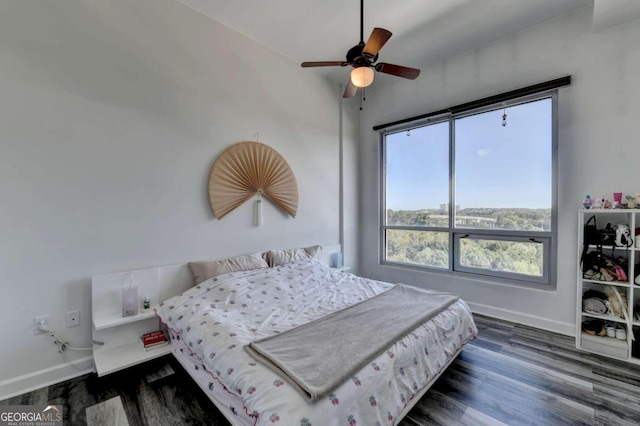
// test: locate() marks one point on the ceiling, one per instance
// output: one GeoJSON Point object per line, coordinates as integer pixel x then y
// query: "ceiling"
{"type": "Point", "coordinates": [424, 31]}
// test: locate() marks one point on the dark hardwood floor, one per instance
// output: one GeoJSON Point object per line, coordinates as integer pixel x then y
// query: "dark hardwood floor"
{"type": "Point", "coordinates": [511, 374]}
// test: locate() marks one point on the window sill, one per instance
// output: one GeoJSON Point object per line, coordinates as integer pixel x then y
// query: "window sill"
{"type": "Point", "coordinates": [475, 278]}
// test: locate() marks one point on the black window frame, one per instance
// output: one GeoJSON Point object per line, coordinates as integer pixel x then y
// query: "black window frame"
{"type": "Point", "coordinates": [549, 239]}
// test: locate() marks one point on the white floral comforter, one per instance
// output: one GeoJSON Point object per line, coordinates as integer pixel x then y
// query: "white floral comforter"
{"type": "Point", "coordinates": [218, 317]}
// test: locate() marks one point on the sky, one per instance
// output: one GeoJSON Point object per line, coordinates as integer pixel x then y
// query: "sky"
{"type": "Point", "coordinates": [496, 166]}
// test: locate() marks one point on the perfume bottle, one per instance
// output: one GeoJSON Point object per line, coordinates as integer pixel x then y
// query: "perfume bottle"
{"type": "Point", "coordinates": [146, 304]}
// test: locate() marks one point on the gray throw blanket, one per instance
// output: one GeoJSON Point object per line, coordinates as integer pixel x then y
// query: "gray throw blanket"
{"type": "Point", "coordinates": [319, 356]}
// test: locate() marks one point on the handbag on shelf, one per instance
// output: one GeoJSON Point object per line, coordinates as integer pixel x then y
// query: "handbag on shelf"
{"type": "Point", "coordinates": [623, 236]}
{"type": "Point", "coordinates": [607, 236]}
{"type": "Point", "coordinates": [591, 236]}
{"type": "Point", "coordinates": [598, 237]}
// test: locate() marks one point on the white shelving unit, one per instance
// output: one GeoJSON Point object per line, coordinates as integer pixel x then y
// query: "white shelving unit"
{"type": "Point", "coordinates": [116, 338]}
{"type": "Point", "coordinates": [609, 346]}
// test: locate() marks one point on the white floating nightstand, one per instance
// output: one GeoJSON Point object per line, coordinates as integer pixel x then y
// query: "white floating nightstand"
{"type": "Point", "coordinates": [116, 338]}
{"type": "Point", "coordinates": [342, 268]}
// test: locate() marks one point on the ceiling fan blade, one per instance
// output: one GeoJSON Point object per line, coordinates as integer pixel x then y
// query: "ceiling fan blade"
{"type": "Point", "coordinates": [323, 64]}
{"type": "Point", "coordinates": [350, 90]}
{"type": "Point", "coordinates": [398, 70]}
{"type": "Point", "coordinates": [377, 39]}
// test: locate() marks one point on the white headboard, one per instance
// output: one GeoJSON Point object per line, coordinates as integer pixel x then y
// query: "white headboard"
{"type": "Point", "coordinates": [158, 283]}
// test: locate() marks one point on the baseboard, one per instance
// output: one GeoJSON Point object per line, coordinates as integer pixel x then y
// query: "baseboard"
{"type": "Point", "coordinates": [46, 377]}
{"type": "Point", "coordinates": [520, 318]}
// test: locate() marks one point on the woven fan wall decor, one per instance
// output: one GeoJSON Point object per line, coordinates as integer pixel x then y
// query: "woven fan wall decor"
{"type": "Point", "coordinates": [248, 168]}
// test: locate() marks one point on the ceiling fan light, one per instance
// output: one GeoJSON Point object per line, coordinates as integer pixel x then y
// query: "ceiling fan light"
{"type": "Point", "coordinates": [362, 76]}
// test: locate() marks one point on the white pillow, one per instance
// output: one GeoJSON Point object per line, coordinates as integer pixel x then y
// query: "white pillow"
{"type": "Point", "coordinates": [202, 271]}
{"type": "Point", "coordinates": [282, 257]}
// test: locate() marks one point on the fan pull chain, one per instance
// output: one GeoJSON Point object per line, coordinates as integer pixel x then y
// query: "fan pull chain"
{"type": "Point", "coordinates": [362, 97]}
{"type": "Point", "coordinates": [256, 137]}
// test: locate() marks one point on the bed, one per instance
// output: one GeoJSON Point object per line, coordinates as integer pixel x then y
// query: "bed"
{"type": "Point", "coordinates": [210, 324]}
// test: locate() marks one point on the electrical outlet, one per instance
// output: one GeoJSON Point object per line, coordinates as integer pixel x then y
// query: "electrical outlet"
{"type": "Point", "coordinates": [73, 318]}
{"type": "Point", "coordinates": [42, 321]}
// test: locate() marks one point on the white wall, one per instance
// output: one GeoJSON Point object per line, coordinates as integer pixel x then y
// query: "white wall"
{"type": "Point", "coordinates": [599, 149]}
{"type": "Point", "coordinates": [111, 115]}
{"type": "Point", "coordinates": [607, 13]}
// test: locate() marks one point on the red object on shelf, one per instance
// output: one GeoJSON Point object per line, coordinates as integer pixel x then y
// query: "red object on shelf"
{"type": "Point", "coordinates": [153, 338]}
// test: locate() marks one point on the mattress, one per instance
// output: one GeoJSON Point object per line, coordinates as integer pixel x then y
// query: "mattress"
{"type": "Point", "coordinates": [212, 322]}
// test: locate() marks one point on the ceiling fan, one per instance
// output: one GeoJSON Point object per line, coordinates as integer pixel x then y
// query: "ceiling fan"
{"type": "Point", "coordinates": [362, 58]}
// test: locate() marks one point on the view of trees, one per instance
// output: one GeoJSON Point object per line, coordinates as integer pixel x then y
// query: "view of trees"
{"type": "Point", "coordinates": [506, 256]}
{"type": "Point", "coordinates": [431, 248]}
{"type": "Point", "coordinates": [418, 247]}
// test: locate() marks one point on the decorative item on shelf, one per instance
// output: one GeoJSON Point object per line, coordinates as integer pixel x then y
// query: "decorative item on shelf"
{"type": "Point", "coordinates": [588, 202]}
{"type": "Point", "coordinates": [146, 304]}
{"type": "Point", "coordinates": [249, 168]}
{"type": "Point", "coordinates": [597, 204]}
{"type": "Point", "coordinates": [129, 301]}
{"type": "Point", "coordinates": [154, 340]}
{"type": "Point", "coordinates": [631, 202]}
{"type": "Point", "coordinates": [617, 200]}
{"type": "Point", "coordinates": [336, 260]}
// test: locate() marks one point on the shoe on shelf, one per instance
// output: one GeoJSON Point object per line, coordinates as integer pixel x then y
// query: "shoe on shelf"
{"type": "Point", "coordinates": [594, 327]}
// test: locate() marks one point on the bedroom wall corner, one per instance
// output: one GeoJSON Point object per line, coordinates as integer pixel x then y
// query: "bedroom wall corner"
{"type": "Point", "coordinates": [350, 175]}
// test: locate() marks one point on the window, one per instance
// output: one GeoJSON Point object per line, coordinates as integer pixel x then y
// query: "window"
{"type": "Point", "coordinates": [474, 192]}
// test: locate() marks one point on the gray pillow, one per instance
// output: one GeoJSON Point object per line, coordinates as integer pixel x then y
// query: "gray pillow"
{"type": "Point", "coordinates": [202, 271]}
{"type": "Point", "coordinates": [282, 257]}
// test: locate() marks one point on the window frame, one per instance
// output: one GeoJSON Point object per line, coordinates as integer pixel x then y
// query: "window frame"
{"type": "Point", "coordinates": [545, 241]}
{"type": "Point", "coordinates": [548, 281]}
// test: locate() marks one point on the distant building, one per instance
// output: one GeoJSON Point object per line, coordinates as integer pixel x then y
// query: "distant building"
{"type": "Point", "coordinates": [445, 207]}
